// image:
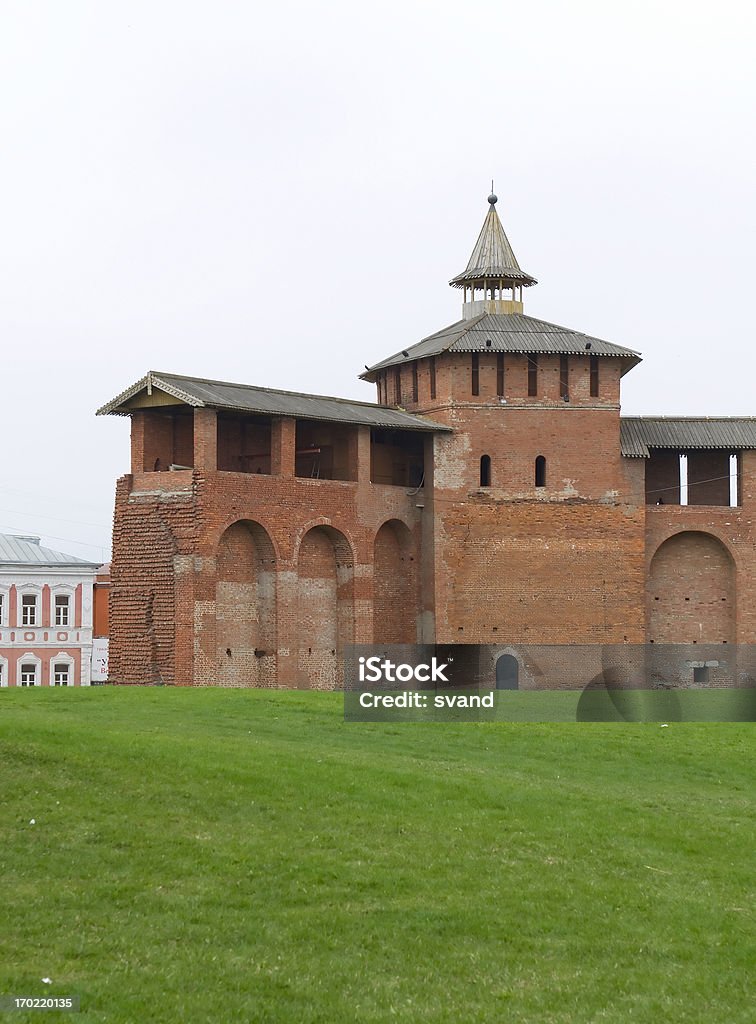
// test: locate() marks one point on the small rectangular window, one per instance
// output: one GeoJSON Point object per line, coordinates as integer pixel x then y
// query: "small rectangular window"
{"type": "Point", "coordinates": [432, 374]}
{"type": "Point", "coordinates": [532, 376]}
{"type": "Point", "coordinates": [28, 610]}
{"type": "Point", "coordinates": [594, 376]}
{"type": "Point", "coordinates": [415, 389]}
{"type": "Point", "coordinates": [62, 611]}
{"type": "Point", "coordinates": [564, 377]}
{"type": "Point", "coordinates": [475, 373]}
{"type": "Point", "coordinates": [61, 674]}
{"type": "Point", "coordinates": [28, 675]}
{"type": "Point", "coordinates": [500, 374]}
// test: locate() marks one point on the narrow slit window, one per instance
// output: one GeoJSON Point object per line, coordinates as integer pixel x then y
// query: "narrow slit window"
{"type": "Point", "coordinates": [594, 376]}
{"type": "Point", "coordinates": [415, 389]}
{"type": "Point", "coordinates": [475, 373]}
{"type": "Point", "coordinates": [432, 375]}
{"type": "Point", "coordinates": [540, 471]}
{"type": "Point", "coordinates": [485, 471]}
{"type": "Point", "coordinates": [532, 376]}
{"type": "Point", "coordinates": [397, 386]}
{"type": "Point", "coordinates": [500, 374]}
{"type": "Point", "coordinates": [564, 378]}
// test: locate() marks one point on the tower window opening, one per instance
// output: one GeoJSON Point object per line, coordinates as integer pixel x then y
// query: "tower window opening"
{"type": "Point", "coordinates": [414, 383]}
{"type": "Point", "coordinates": [500, 374]}
{"type": "Point", "coordinates": [564, 378]}
{"type": "Point", "coordinates": [432, 375]}
{"type": "Point", "coordinates": [594, 376]}
{"type": "Point", "coordinates": [485, 471]}
{"type": "Point", "coordinates": [540, 471]}
{"type": "Point", "coordinates": [397, 386]}
{"type": "Point", "coordinates": [532, 376]}
{"type": "Point", "coordinates": [475, 373]}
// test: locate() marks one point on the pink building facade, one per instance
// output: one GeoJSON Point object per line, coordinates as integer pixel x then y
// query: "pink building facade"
{"type": "Point", "coordinates": [46, 615]}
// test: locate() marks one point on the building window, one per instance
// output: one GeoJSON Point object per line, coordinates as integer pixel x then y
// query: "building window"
{"type": "Point", "coordinates": [532, 376]}
{"type": "Point", "coordinates": [564, 378]}
{"type": "Point", "coordinates": [61, 674]}
{"type": "Point", "coordinates": [500, 374]}
{"type": "Point", "coordinates": [485, 471]}
{"type": "Point", "coordinates": [28, 674]}
{"type": "Point", "coordinates": [432, 369]}
{"type": "Point", "coordinates": [415, 390]}
{"type": "Point", "coordinates": [2, 609]}
{"type": "Point", "coordinates": [62, 610]}
{"type": "Point", "coordinates": [540, 471]}
{"type": "Point", "coordinates": [28, 610]}
{"type": "Point", "coordinates": [475, 373]}
{"type": "Point", "coordinates": [397, 386]}
{"type": "Point", "coordinates": [594, 376]}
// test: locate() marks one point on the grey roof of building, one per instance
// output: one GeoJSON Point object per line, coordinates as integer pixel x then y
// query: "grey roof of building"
{"type": "Point", "coordinates": [214, 394]}
{"type": "Point", "coordinates": [493, 257]}
{"type": "Point", "coordinates": [641, 433]}
{"type": "Point", "coordinates": [25, 550]}
{"type": "Point", "coordinates": [508, 332]}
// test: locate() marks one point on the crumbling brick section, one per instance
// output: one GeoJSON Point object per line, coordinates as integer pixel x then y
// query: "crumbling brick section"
{"type": "Point", "coordinates": [142, 596]}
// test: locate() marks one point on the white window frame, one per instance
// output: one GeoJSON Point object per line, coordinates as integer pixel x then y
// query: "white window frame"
{"type": "Point", "coordinates": [3, 672]}
{"type": "Point", "coordinates": [63, 659]}
{"type": "Point", "coordinates": [55, 595]}
{"type": "Point", "coordinates": [4, 604]}
{"type": "Point", "coordinates": [29, 659]}
{"type": "Point", "coordinates": [24, 595]}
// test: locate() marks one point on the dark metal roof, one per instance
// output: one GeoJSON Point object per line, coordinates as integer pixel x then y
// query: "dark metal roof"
{"type": "Point", "coordinates": [493, 257]}
{"type": "Point", "coordinates": [214, 394]}
{"type": "Point", "coordinates": [640, 433]}
{"type": "Point", "coordinates": [508, 332]}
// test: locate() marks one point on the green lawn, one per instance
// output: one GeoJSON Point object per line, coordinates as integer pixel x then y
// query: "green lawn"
{"type": "Point", "coordinates": [223, 856]}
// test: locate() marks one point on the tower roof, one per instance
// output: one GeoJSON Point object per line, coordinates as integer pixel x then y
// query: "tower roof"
{"type": "Point", "coordinates": [513, 332]}
{"type": "Point", "coordinates": [492, 258]}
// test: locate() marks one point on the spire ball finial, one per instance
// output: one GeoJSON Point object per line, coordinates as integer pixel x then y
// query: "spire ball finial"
{"type": "Point", "coordinates": [493, 198]}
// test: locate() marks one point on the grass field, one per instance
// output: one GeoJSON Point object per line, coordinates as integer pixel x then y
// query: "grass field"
{"type": "Point", "coordinates": [211, 855]}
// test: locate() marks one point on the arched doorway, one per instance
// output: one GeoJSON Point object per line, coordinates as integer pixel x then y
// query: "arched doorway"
{"type": "Point", "coordinates": [395, 585]}
{"type": "Point", "coordinates": [245, 607]}
{"type": "Point", "coordinates": [325, 607]}
{"type": "Point", "coordinates": [690, 595]}
{"type": "Point", "coordinates": [507, 672]}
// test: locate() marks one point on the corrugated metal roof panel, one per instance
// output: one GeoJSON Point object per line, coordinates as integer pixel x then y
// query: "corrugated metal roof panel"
{"type": "Point", "coordinates": [22, 550]}
{"type": "Point", "coordinates": [196, 391]}
{"type": "Point", "coordinates": [641, 433]}
{"type": "Point", "coordinates": [508, 332]}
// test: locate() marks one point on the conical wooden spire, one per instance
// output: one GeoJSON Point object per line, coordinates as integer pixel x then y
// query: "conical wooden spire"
{"type": "Point", "coordinates": [493, 267]}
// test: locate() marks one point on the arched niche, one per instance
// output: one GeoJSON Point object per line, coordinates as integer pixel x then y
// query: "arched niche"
{"type": "Point", "coordinates": [245, 606]}
{"type": "Point", "coordinates": [395, 585]}
{"type": "Point", "coordinates": [690, 595]}
{"type": "Point", "coordinates": [325, 606]}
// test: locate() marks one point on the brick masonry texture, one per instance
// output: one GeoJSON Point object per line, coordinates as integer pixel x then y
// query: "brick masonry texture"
{"type": "Point", "coordinates": [251, 575]}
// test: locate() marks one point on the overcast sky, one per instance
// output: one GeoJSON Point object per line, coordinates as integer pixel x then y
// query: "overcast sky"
{"type": "Point", "coordinates": [279, 193]}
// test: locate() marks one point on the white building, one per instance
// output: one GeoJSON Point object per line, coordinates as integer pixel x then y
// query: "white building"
{"type": "Point", "coordinates": [46, 615]}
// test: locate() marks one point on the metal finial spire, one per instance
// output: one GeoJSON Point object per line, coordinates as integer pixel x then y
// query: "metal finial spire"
{"type": "Point", "coordinates": [493, 198]}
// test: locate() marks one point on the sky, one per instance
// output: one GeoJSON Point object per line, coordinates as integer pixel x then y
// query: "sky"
{"type": "Point", "coordinates": [279, 195]}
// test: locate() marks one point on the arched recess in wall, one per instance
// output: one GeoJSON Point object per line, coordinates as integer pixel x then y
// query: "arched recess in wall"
{"type": "Point", "coordinates": [325, 607]}
{"type": "Point", "coordinates": [690, 595]}
{"type": "Point", "coordinates": [396, 591]}
{"type": "Point", "coordinates": [245, 607]}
